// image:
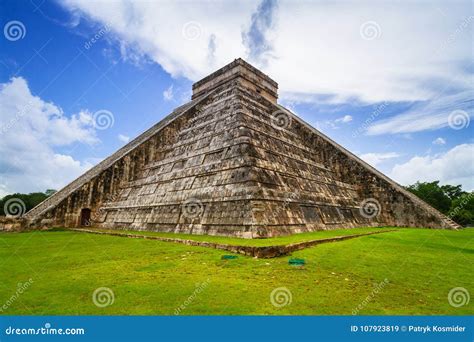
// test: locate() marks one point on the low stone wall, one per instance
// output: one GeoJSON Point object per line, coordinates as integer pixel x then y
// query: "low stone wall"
{"type": "Point", "coordinates": [12, 224]}
{"type": "Point", "coordinates": [257, 252]}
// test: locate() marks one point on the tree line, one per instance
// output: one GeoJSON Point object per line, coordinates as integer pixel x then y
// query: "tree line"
{"type": "Point", "coordinates": [451, 200]}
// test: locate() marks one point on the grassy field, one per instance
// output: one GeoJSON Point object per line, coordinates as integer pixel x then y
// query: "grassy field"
{"type": "Point", "coordinates": [283, 240]}
{"type": "Point", "coordinates": [410, 271]}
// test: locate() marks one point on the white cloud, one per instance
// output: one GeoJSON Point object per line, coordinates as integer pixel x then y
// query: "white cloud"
{"type": "Point", "coordinates": [258, 37]}
{"type": "Point", "coordinates": [375, 159]}
{"type": "Point", "coordinates": [168, 94]}
{"type": "Point", "coordinates": [123, 138]}
{"type": "Point", "coordinates": [30, 129]}
{"type": "Point", "coordinates": [335, 124]}
{"type": "Point", "coordinates": [453, 167]}
{"type": "Point", "coordinates": [341, 65]}
{"type": "Point", "coordinates": [439, 141]}
{"type": "Point", "coordinates": [428, 115]}
{"type": "Point", "coordinates": [344, 119]}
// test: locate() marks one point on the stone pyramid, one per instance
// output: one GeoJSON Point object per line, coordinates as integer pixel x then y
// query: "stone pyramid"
{"type": "Point", "coordinates": [233, 162]}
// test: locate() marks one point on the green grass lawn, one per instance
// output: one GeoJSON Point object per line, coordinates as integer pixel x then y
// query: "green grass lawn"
{"type": "Point", "coordinates": [283, 240]}
{"type": "Point", "coordinates": [154, 277]}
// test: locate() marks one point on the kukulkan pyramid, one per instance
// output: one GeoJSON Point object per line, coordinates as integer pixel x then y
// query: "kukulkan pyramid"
{"type": "Point", "coordinates": [234, 162]}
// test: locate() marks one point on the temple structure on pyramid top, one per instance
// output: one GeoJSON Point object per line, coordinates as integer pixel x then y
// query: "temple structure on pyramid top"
{"type": "Point", "coordinates": [234, 162]}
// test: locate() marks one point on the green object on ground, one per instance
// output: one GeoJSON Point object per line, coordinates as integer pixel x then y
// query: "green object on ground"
{"type": "Point", "coordinates": [229, 257]}
{"type": "Point", "coordinates": [296, 262]}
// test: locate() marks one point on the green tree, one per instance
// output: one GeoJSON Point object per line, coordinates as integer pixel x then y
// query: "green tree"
{"type": "Point", "coordinates": [433, 194]}
{"type": "Point", "coordinates": [50, 192]}
{"type": "Point", "coordinates": [453, 191]}
{"type": "Point", "coordinates": [462, 209]}
{"type": "Point", "coordinates": [449, 199]}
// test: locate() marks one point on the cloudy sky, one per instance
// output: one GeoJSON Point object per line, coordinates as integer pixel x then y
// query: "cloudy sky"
{"type": "Point", "coordinates": [392, 82]}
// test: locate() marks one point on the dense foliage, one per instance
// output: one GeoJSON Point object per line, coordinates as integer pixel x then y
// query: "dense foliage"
{"type": "Point", "coordinates": [451, 200]}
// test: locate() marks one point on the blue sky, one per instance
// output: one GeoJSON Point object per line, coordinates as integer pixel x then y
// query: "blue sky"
{"type": "Point", "coordinates": [393, 84]}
